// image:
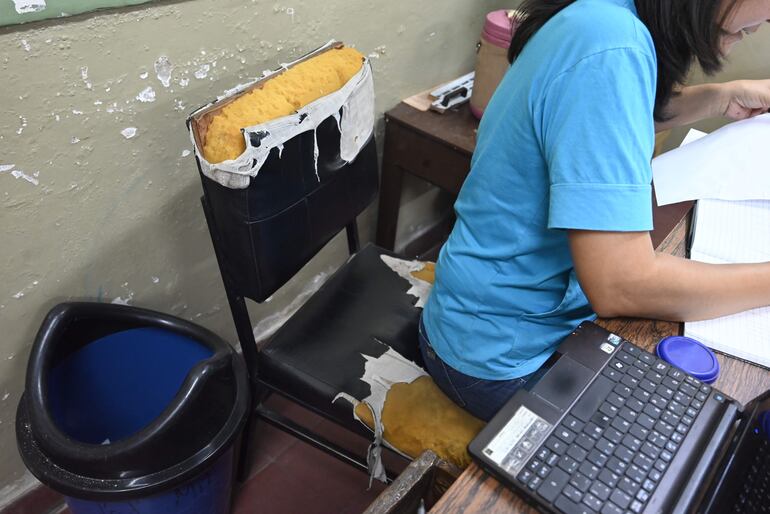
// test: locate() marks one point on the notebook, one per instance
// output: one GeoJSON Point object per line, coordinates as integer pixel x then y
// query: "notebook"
{"type": "Point", "coordinates": [733, 232]}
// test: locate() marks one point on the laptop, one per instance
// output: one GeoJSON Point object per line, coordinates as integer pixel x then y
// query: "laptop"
{"type": "Point", "coordinates": [606, 427]}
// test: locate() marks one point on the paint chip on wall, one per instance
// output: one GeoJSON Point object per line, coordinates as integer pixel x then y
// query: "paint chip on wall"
{"type": "Point", "coordinates": [128, 132]}
{"type": "Point", "coordinates": [163, 69]}
{"type": "Point", "coordinates": [146, 95]}
{"type": "Point", "coordinates": [28, 6]}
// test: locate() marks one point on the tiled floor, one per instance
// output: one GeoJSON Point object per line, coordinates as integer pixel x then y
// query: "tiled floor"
{"type": "Point", "coordinates": [291, 477]}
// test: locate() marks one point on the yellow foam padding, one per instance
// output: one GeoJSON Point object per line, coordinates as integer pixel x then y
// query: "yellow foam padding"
{"type": "Point", "coordinates": [280, 96]}
{"type": "Point", "coordinates": [418, 417]}
{"type": "Point", "coordinates": [427, 273]}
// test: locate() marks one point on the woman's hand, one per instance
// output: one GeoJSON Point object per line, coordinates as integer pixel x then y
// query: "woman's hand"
{"type": "Point", "coordinates": [742, 99]}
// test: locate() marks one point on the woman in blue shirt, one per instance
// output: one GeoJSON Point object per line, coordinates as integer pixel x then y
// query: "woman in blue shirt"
{"type": "Point", "coordinates": [553, 220]}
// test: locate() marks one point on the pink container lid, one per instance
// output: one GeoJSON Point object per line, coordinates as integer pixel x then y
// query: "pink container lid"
{"type": "Point", "coordinates": [498, 28]}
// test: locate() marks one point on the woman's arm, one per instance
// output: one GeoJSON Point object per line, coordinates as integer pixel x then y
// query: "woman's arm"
{"type": "Point", "coordinates": [734, 100]}
{"type": "Point", "coordinates": [622, 275]}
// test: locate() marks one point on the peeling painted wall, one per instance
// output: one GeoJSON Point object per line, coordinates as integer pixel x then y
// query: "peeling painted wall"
{"type": "Point", "coordinates": [98, 189]}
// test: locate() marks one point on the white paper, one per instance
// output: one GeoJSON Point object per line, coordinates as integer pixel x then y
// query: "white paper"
{"type": "Point", "coordinates": [729, 164]}
{"type": "Point", "coordinates": [731, 232]}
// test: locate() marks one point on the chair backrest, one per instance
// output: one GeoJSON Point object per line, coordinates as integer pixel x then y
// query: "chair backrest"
{"type": "Point", "coordinates": [291, 209]}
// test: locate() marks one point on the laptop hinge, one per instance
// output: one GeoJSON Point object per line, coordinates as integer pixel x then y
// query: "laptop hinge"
{"type": "Point", "coordinates": [697, 485]}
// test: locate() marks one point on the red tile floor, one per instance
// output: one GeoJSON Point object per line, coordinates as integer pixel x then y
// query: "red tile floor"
{"type": "Point", "coordinates": [289, 476]}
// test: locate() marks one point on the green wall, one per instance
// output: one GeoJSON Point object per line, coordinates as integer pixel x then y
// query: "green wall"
{"type": "Point", "coordinates": [99, 216]}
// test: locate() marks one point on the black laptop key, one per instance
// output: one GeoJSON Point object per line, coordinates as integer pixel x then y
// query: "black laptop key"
{"type": "Point", "coordinates": [635, 473]}
{"type": "Point", "coordinates": [616, 399]}
{"type": "Point", "coordinates": [556, 445]}
{"type": "Point", "coordinates": [585, 442]}
{"type": "Point", "coordinates": [628, 414]}
{"type": "Point", "coordinates": [525, 476]}
{"type": "Point", "coordinates": [552, 459]}
{"type": "Point", "coordinates": [613, 435]}
{"type": "Point", "coordinates": [635, 405]}
{"type": "Point", "coordinates": [648, 358]}
{"type": "Point", "coordinates": [611, 508]}
{"type": "Point", "coordinates": [592, 398]}
{"type": "Point", "coordinates": [653, 376]}
{"type": "Point", "coordinates": [629, 486]}
{"type": "Point", "coordinates": [601, 420]}
{"type": "Point", "coordinates": [658, 401]}
{"type": "Point", "coordinates": [665, 392]}
{"type": "Point", "coordinates": [600, 490]}
{"type": "Point", "coordinates": [650, 450]}
{"type": "Point", "coordinates": [688, 389]}
{"type": "Point", "coordinates": [572, 493]}
{"type": "Point", "coordinates": [636, 507]}
{"type": "Point", "coordinates": [577, 453]}
{"type": "Point", "coordinates": [630, 348]}
{"type": "Point", "coordinates": [616, 465]}
{"type": "Point", "coordinates": [624, 454]}
{"type": "Point", "coordinates": [612, 374]}
{"type": "Point", "coordinates": [605, 446]}
{"type": "Point", "coordinates": [565, 434]}
{"type": "Point", "coordinates": [542, 454]}
{"type": "Point", "coordinates": [657, 439]}
{"type": "Point", "coordinates": [625, 358]}
{"type": "Point", "coordinates": [637, 373]}
{"type": "Point", "coordinates": [641, 395]}
{"type": "Point", "coordinates": [597, 458]}
{"type": "Point", "coordinates": [620, 498]}
{"type": "Point", "coordinates": [535, 482]}
{"type": "Point", "coordinates": [677, 408]}
{"type": "Point", "coordinates": [645, 420]}
{"type": "Point", "coordinates": [608, 410]}
{"type": "Point", "coordinates": [573, 424]}
{"type": "Point", "coordinates": [609, 478]}
{"type": "Point", "coordinates": [647, 385]}
{"type": "Point", "coordinates": [543, 471]}
{"type": "Point", "coordinates": [568, 464]}
{"type": "Point", "coordinates": [631, 442]}
{"type": "Point", "coordinates": [671, 382]}
{"type": "Point", "coordinates": [621, 424]}
{"type": "Point", "coordinates": [630, 381]}
{"type": "Point", "coordinates": [643, 461]}
{"type": "Point", "coordinates": [670, 418]}
{"type": "Point", "coordinates": [593, 502]}
{"type": "Point", "coordinates": [676, 374]}
{"type": "Point", "coordinates": [553, 484]}
{"type": "Point", "coordinates": [664, 428]}
{"type": "Point", "coordinates": [639, 431]}
{"type": "Point", "coordinates": [568, 506]}
{"type": "Point", "coordinates": [593, 430]}
{"type": "Point", "coordinates": [623, 390]}
{"type": "Point", "coordinates": [580, 481]}
{"type": "Point", "coordinates": [682, 398]}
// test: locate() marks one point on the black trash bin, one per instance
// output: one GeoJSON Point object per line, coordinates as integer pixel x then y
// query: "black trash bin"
{"type": "Point", "coordinates": [130, 410]}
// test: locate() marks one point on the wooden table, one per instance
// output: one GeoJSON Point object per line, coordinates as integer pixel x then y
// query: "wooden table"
{"type": "Point", "coordinates": [437, 148]}
{"type": "Point", "coordinates": [477, 492]}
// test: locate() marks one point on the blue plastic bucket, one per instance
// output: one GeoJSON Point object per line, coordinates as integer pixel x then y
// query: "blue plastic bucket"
{"type": "Point", "coordinates": [132, 411]}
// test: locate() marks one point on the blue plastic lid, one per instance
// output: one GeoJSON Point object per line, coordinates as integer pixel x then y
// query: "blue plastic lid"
{"type": "Point", "coordinates": [691, 356]}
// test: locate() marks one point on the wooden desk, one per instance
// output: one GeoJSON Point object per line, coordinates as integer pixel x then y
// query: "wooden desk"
{"type": "Point", "coordinates": [438, 148]}
{"type": "Point", "coordinates": [434, 147]}
{"type": "Point", "coordinates": [477, 492]}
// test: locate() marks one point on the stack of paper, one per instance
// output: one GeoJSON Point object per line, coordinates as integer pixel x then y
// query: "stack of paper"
{"type": "Point", "coordinates": [727, 172]}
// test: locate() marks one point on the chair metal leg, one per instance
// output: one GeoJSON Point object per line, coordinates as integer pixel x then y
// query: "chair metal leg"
{"type": "Point", "coordinates": [352, 232]}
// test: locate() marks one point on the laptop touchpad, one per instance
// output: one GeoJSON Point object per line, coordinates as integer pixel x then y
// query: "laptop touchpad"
{"type": "Point", "coordinates": [561, 384]}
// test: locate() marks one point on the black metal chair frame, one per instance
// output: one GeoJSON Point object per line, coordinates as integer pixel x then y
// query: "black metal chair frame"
{"type": "Point", "coordinates": [261, 390]}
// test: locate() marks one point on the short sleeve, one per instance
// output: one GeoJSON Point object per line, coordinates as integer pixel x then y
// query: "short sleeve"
{"type": "Point", "coordinates": [597, 135]}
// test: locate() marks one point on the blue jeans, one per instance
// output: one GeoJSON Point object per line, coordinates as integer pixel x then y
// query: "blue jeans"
{"type": "Point", "coordinates": [481, 397]}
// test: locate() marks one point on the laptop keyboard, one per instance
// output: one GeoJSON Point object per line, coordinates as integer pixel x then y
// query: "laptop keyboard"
{"type": "Point", "coordinates": [754, 498]}
{"type": "Point", "coordinates": [609, 453]}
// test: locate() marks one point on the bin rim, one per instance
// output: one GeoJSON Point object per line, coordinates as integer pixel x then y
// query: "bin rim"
{"type": "Point", "coordinates": [40, 440]}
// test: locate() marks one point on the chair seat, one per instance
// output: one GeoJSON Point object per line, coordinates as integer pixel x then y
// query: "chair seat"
{"type": "Point", "coordinates": [363, 309]}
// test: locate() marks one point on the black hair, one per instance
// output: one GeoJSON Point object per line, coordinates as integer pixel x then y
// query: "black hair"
{"type": "Point", "coordinates": [683, 31]}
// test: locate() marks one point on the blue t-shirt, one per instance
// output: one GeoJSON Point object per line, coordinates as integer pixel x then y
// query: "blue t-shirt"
{"type": "Point", "coordinates": [565, 143]}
